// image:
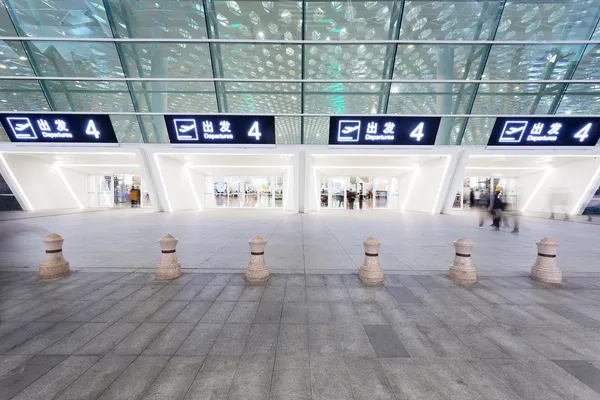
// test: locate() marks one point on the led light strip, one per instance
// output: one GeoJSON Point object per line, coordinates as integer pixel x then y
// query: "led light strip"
{"type": "Point", "coordinates": [537, 189]}
{"type": "Point", "coordinates": [191, 183]}
{"type": "Point", "coordinates": [507, 168]}
{"type": "Point", "coordinates": [585, 192]}
{"type": "Point", "coordinates": [410, 189]}
{"type": "Point", "coordinates": [16, 182]}
{"type": "Point", "coordinates": [162, 179]}
{"type": "Point", "coordinates": [437, 197]}
{"type": "Point", "coordinates": [100, 165]}
{"type": "Point", "coordinates": [69, 188]}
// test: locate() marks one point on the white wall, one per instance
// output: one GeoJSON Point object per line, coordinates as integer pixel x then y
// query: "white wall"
{"type": "Point", "coordinates": [176, 193]}
{"type": "Point", "coordinates": [429, 187]}
{"type": "Point", "coordinates": [572, 178]}
{"type": "Point", "coordinates": [42, 185]}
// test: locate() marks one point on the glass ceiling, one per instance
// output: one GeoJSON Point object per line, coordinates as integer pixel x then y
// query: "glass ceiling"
{"type": "Point", "coordinates": [307, 69]}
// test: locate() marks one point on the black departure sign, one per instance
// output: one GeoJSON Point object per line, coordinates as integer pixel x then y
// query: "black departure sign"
{"type": "Point", "coordinates": [383, 131]}
{"type": "Point", "coordinates": [58, 128]}
{"type": "Point", "coordinates": [225, 129]}
{"type": "Point", "coordinates": [545, 132]}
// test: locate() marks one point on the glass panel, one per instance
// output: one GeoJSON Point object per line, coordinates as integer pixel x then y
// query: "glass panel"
{"type": "Point", "coordinates": [531, 62]}
{"type": "Point", "coordinates": [478, 131]}
{"type": "Point", "coordinates": [165, 19]}
{"type": "Point", "coordinates": [316, 130]}
{"type": "Point", "coordinates": [380, 189]}
{"type": "Point", "coordinates": [264, 98]}
{"type": "Point", "coordinates": [589, 66]}
{"type": "Point", "coordinates": [6, 26]}
{"type": "Point", "coordinates": [338, 192]}
{"type": "Point", "coordinates": [346, 61]}
{"type": "Point", "coordinates": [449, 130]}
{"type": "Point", "coordinates": [347, 20]}
{"type": "Point", "coordinates": [127, 128]}
{"type": "Point", "coordinates": [287, 130]}
{"type": "Point", "coordinates": [85, 59]}
{"type": "Point", "coordinates": [13, 60]}
{"type": "Point", "coordinates": [22, 96]}
{"type": "Point", "coordinates": [259, 61]}
{"type": "Point", "coordinates": [462, 20]}
{"type": "Point", "coordinates": [429, 98]}
{"type": "Point", "coordinates": [580, 99]}
{"type": "Point", "coordinates": [169, 97]}
{"type": "Point", "coordinates": [247, 19]}
{"type": "Point", "coordinates": [3, 135]}
{"type": "Point", "coordinates": [167, 60]}
{"type": "Point", "coordinates": [55, 18]}
{"type": "Point", "coordinates": [344, 98]}
{"type": "Point", "coordinates": [437, 61]}
{"type": "Point", "coordinates": [514, 99]}
{"type": "Point", "coordinates": [551, 20]}
{"type": "Point", "coordinates": [85, 95]}
{"type": "Point", "coordinates": [155, 128]}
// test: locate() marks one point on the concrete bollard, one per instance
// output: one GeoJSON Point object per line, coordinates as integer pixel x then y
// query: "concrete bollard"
{"type": "Point", "coordinates": [54, 265]}
{"type": "Point", "coordinates": [370, 272]}
{"type": "Point", "coordinates": [462, 270]}
{"type": "Point", "coordinates": [545, 268]}
{"type": "Point", "coordinates": [257, 270]}
{"type": "Point", "coordinates": [169, 267]}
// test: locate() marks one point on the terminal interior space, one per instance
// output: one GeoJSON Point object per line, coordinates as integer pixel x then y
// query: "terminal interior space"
{"type": "Point", "coordinates": [299, 200]}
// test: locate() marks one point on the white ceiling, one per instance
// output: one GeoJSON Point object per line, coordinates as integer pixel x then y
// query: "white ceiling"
{"type": "Point", "coordinates": [513, 166]}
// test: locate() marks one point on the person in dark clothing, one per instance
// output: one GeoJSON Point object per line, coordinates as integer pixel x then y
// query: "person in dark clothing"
{"type": "Point", "coordinates": [497, 207]}
{"type": "Point", "coordinates": [472, 199]}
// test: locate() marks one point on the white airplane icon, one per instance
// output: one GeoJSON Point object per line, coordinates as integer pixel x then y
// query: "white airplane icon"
{"type": "Point", "coordinates": [512, 131]}
{"type": "Point", "coordinates": [349, 129]}
{"type": "Point", "coordinates": [22, 127]}
{"type": "Point", "coordinates": [185, 128]}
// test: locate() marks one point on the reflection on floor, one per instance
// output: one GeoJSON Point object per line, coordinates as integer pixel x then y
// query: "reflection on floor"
{"type": "Point", "coordinates": [322, 336]}
{"type": "Point", "coordinates": [249, 201]}
{"type": "Point", "coordinates": [327, 242]}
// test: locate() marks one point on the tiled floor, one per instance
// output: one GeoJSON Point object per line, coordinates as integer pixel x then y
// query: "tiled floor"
{"type": "Point", "coordinates": [328, 242]}
{"type": "Point", "coordinates": [121, 335]}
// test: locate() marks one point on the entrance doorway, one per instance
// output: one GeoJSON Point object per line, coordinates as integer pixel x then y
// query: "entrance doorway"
{"type": "Point", "coordinates": [118, 191]}
{"type": "Point", "coordinates": [354, 192]}
{"type": "Point", "coordinates": [248, 191]}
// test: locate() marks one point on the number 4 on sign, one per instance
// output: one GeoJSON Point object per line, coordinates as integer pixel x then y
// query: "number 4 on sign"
{"type": "Point", "coordinates": [91, 129]}
{"type": "Point", "coordinates": [583, 133]}
{"type": "Point", "coordinates": [254, 131]}
{"type": "Point", "coordinates": [417, 133]}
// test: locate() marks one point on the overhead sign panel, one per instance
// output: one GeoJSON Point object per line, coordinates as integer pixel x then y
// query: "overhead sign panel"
{"type": "Point", "coordinates": [226, 129]}
{"type": "Point", "coordinates": [545, 132]}
{"type": "Point", "coordinates": [383, 130]}
{"type": "Point", "coordinates": [58, 128]}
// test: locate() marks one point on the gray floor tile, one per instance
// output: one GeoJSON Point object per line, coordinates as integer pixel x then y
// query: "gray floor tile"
{"type": "Point", "coordinates": [46, 338]}
{"type": "Point", "coordinates": [385, 342]}
{"type": "Point", "coordinates": [582, 370]}
{"type": "Point", "coordinates": [370, 314]}
{"type": "Point", "coordinates": [9, 362]}
{"type": "Point", "coordinates": [22, 334]}
{"type": "Point", "coordinates": [218, 312]}
{"type": "Point", "coordinates": [193, 312]}
{"type": "Point", "coordinates": [134, 381]}
{"type": "Point", "coordinates": [231, 340]}
{"type": "Point", "coordinates": [25, 374]}
{"type": "Point", "coordinates": [168, 311]}
{"type": "Point", "coordinates": [329, 378]}
{"type": "Point", "coordinates": [210, 292]}
{"type": "Point", "coordinates": [291, 384]}
{"type": "Point", "coordinates": [58, 378]}
{"type": "Point", "coordinates": [107, 339]}
{"type": "Point", "coordinates": [320, 313]}
{"type": "Point", "coordinates": [230, 293]}
{"type": "Point", "coordinates": [269, 312]}
{"type": "Point", "coordinates": [214, 379]}
{"type": "Point", "coordinates": [78, 338]}
{"type": "Point", "coordinates": [407, 381]}
{"type": "Point", "coordinates": [262, 340]}
{"type": "Point", "coordinates": [293, 339]}
{"type": "Point", "coordinates": [91, 312]}
{"type": "Point", "coordinates": [169, 340]}
{"type": "Point", "coordinates": [97, 378]}
{"type": "Point", "coordinates": [252, 379]}
{"type": "Point", "coordinates": [403, 295]}
{"type": "Point", "coordinates": [175, 379]}
{"type": "Point", "coordinates": [200, 341]}
{"type": "Point", "coordinates": [295, 312]}
{"type": "Point", "coordinates": [368, 379]}
{"type": "Point", "coordinates": [139, 339]}
{"type": "Point", "coordinates": [243, 312]}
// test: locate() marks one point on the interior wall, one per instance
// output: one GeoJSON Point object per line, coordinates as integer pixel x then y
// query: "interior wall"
{"type": "Point", "coordinates": [526, 185]}
{"type": "Point", "coordinates": [428, 187]}
{"type": "Point", "coordinates": [196, 182]}
{"type": "Point", "coordinates": [78, 184]}
{"type": "Point", "coordinates": [176, 185]}
{"type": "Point", "coordinates": [566, 184]}
{"type": "Point", "coordinates": [42, 184]}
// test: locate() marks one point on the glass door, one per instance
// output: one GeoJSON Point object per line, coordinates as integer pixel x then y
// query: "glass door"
{"type": "Point", "coordinates": [235, 192]}
{"type": "Point", "coordinates": [380, 186]}
{"type": "Point", "coordinates": [278, 191]}
{"type": "Point", "coordinates": [221, 192]}
{"type": "Point", "coordinates": [100, 191]}
{"type": "Point", "coordinates": [324, 192]}
{"type": "Point", "coordinates": [338, 193]}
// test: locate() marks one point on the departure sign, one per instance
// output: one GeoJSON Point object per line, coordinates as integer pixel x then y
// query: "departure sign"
{"type": "Point", "coordinates": [226, 129]}
{"type": "Point", "coordinates": [58, 128]}
{"type": "Point", "coordinates": [383, 130]}
{"type": "Point", "coordinates": [545, 132]}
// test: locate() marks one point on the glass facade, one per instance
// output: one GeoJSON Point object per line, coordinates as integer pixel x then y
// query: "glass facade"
{"type": "Point", "coordinates": [138, 59]}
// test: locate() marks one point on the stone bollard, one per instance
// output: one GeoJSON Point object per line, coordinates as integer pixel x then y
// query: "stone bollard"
{"type": "Point", "coordinates": [545, 268]}
{"type": "Point", "coordinates": [462, 270]}
{"type": "Point", "coordinates": [257, 270]}
{"type": "Point", "coordinates": [169, 267]}
{"type": "Point", "coordinates": [370, 272]}
{"type": "Point", "coordinates": [54, 265]}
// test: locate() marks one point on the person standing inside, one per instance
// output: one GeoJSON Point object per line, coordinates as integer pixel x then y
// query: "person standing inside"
{"type": "Point", "coordinates": [133, 196]}
{"type": "Point", "coordinates": [472, 198]}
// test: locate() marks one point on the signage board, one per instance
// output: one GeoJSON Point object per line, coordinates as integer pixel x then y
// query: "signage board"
{"type": "Point", "coordinates": [221, 129]}
{"type": "Point", "coordinates": [58, 128]}
{"type": "Point", "coordinates": [383, 130]}
{"type": "Point", "coordinates": [545, 132]}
